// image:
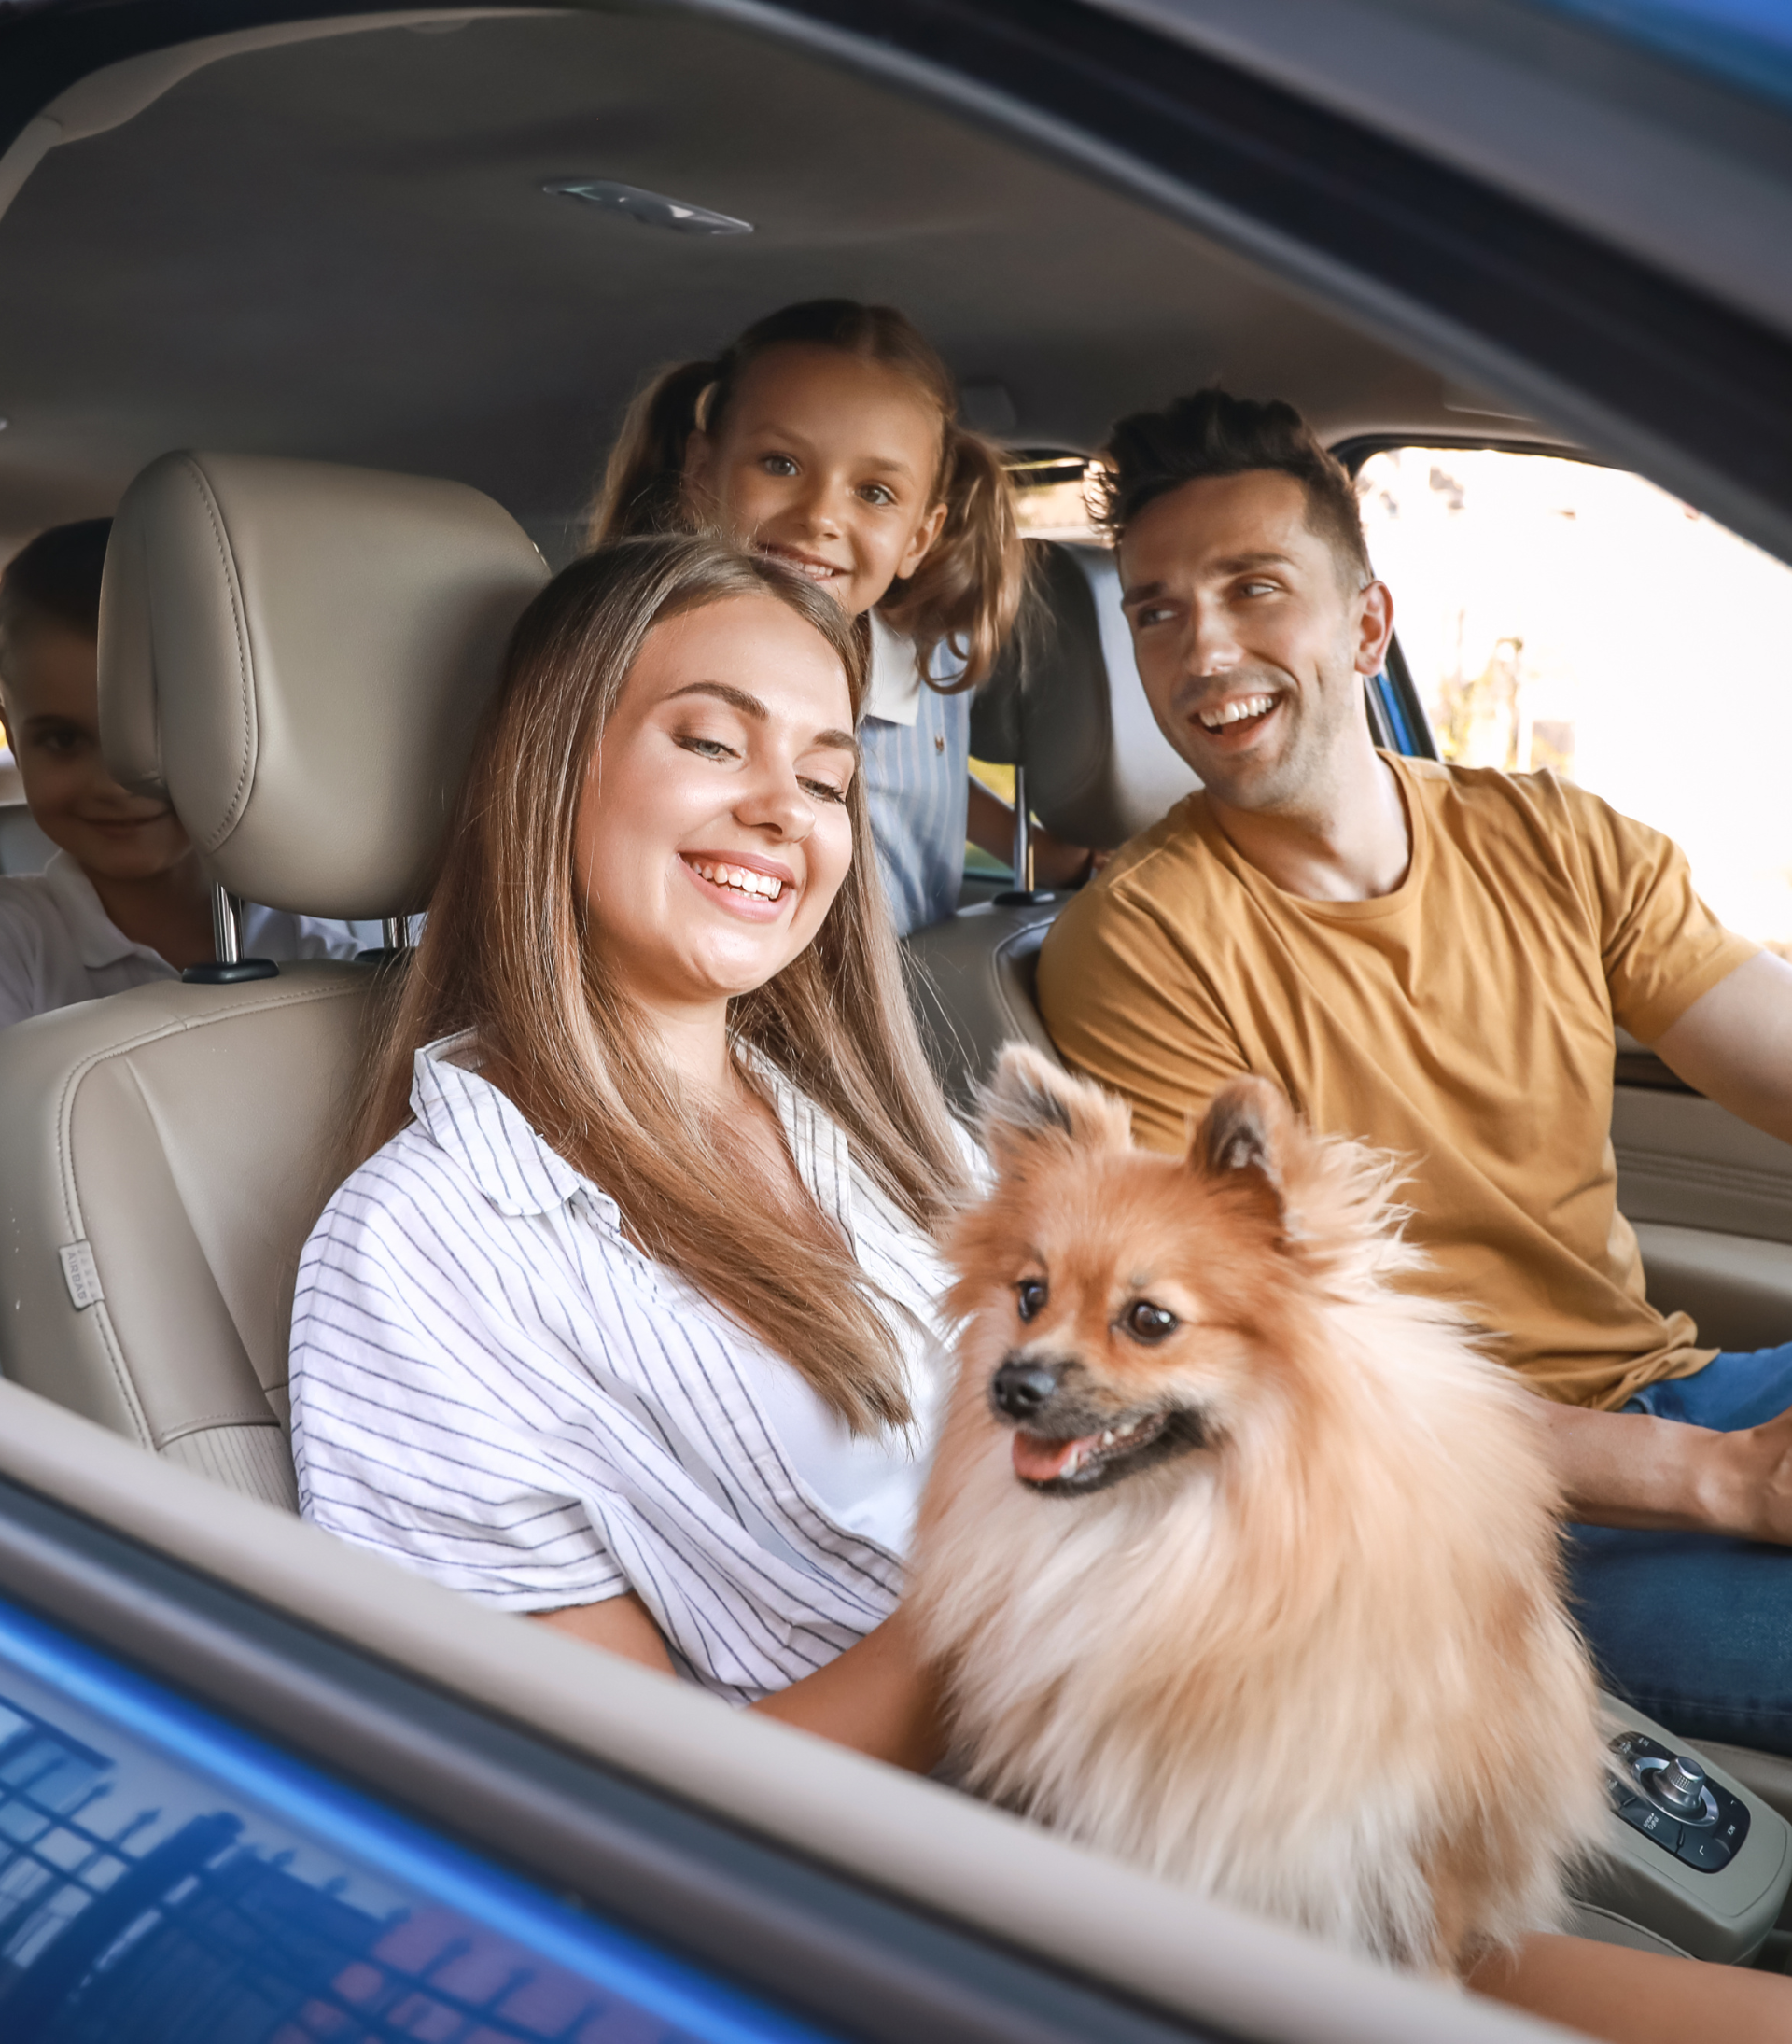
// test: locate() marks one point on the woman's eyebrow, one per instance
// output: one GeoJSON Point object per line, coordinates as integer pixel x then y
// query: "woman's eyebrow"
{"type": "Point", "coordinates": [750, 705]}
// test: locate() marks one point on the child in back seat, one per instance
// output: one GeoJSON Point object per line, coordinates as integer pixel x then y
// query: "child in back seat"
{"type": "Point", "coordinates": [826, 434]}
{"type": "Point", "coordinates": [124, 899]}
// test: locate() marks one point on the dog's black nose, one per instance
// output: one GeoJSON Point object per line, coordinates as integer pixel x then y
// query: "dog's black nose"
{"type": "Point", "coordinates": [1022, 1389]}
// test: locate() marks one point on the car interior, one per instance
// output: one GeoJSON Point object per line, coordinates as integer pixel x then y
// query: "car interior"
{"type": "Point", "coordinates": [318, 313]}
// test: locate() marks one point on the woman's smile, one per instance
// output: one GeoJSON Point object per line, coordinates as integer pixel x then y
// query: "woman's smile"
{"type": "Point", "coordinates": [743, 884]}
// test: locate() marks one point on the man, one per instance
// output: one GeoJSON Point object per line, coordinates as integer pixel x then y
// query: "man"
{"type": "Point", "coordinates": [1432, 958]}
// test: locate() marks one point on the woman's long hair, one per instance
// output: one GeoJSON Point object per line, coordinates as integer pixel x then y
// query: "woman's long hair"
{"type": "Point", "coordinates": [968, 588]}
{"type": "Point", "coordinates": [506, 953]}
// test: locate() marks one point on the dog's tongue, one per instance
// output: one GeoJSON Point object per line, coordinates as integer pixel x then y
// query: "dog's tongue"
{"type": "Point", "coordinates": [1040, 1462]}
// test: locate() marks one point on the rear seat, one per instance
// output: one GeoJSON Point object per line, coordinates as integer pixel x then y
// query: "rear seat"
{"type": "Point", "coordinates": [1067, 705]}
{"type": "Point", "coordinates": [296, 656]}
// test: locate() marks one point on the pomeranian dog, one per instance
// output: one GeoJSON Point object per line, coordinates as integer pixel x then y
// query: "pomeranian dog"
{"type": "Point", "coordinates": [1240, 1564]}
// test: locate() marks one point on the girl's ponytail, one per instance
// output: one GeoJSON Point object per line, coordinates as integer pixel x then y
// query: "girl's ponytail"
{"type": "Point", "coordinates": [642, 489]}
{"type": "Point", "coordinates": [968, 590]}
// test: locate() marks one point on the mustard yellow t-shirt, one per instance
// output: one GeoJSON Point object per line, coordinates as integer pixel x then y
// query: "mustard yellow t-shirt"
{"type": "Point", "coordinates": [1463, 1021]}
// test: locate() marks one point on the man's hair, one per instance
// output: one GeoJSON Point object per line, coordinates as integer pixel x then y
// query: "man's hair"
{"type": "Point", "coordinates": [55, 579]}
{"type": "Point", "coordinates": [1211, 433]}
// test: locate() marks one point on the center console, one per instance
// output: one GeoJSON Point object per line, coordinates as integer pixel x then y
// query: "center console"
{"type": "Point", "coordinates": [1694, 1863]}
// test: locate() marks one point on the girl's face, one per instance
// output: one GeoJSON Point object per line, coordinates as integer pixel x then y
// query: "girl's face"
{"type": "Point", "coordinates": [713, 834]}
{"type": "Point", "coordinates": [830, 463]}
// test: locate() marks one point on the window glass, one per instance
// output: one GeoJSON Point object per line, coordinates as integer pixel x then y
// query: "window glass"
{"type": "Point", "coordinates": [1556, 614]}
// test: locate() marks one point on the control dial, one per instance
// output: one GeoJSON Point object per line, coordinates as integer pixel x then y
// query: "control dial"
{"type": "Point", "coordinates": [1680, 1785]}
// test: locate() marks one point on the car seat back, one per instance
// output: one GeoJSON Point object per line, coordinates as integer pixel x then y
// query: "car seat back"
{"type": "Point", "coordinates": [1066, 704]}
{"type": "Point", "coordinates": [296, 656]}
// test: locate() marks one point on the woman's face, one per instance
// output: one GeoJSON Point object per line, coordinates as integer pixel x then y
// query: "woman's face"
{"type": "Point", "coordinates": [713, 832]}
{"type": "Point", "coordinates": [830, 463]}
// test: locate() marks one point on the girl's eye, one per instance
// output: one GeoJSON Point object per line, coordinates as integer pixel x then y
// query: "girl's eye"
{"type": "Point", "coordinates": [1030, 1296]}
{"type": "Point", "coordinates": [879, 494]}
{"type": "Point", "coordinates": [777, 464]}
{"type": "Point", "coordinates": [1145, 1321]}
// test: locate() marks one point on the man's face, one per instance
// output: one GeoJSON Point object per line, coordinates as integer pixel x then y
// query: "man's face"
{"type": "Point", "coordinates": [52, 708]}
{"type": "Point", "coordinates": [1251, 637]}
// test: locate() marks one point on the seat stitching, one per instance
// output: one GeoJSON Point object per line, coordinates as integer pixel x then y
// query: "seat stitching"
{"type": "Point", "coordinates": [233, 815]}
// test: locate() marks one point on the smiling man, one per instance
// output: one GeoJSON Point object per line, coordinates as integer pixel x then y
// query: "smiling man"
{"type": "Point", "coordinates": [1432, 958]}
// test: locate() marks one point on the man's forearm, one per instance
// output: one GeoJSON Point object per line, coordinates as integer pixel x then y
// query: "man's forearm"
{"type": "Point", "coordinates": [1630, 1469]}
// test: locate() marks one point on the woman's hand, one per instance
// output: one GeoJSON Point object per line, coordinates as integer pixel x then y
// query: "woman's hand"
{"type": "Point", "coordinates": [878, 1697]}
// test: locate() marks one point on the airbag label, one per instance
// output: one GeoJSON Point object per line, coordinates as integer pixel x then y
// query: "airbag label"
{"type": "Point", "coordinates": [80, 1274]}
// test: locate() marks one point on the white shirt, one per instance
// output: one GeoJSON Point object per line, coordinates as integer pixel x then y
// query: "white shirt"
{"type": "Point", "coordinates": [493, 1385]}
{"type": "Point", "coordinates": [58, 945]}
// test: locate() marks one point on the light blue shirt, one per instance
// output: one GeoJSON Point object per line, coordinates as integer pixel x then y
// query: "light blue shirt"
{"type": "Point", "coordinates": [915, 750]}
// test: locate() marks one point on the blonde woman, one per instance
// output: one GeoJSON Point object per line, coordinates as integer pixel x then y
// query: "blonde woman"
{"type": "Point", "coordinates": [625, 1318]}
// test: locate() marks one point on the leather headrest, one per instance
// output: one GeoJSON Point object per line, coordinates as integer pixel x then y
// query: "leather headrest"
{"type": "Point", "coordinates": [296, 656]}
{"type": "Point", "coordinates": [1066, 702]}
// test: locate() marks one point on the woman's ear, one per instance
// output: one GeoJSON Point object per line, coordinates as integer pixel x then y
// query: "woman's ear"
{"type": "Point", "coordinates": [922, 545]}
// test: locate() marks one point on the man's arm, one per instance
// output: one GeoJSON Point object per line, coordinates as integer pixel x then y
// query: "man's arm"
{"type": "Point", "coordinates": [1734, 1043]}
{"type": "Point", "coordinates": [1631, 1469]}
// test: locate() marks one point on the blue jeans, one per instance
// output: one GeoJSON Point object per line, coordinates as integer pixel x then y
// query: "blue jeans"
{"type": "Point", "coordinates": [1694, 1629]}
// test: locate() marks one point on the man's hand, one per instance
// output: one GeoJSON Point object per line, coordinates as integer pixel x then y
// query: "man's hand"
{"type": "Point", "coordinates": [1631, 1469]}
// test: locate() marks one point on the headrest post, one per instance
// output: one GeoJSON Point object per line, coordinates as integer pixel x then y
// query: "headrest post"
{"type": "Point", "coordinates": [227, 933]}
{"type": "Point", "coordinates": [1023, 833]}
{"type": "Point", "coordinates": [395, 932]}
{"type": "Point", "coordinates": [1023, 894]}
{"type": "Point", "coordinates": [229, 966]}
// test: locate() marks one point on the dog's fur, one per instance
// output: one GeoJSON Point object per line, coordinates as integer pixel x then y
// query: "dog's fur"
{"type": "Point", "coordinates": [1303, 1648]}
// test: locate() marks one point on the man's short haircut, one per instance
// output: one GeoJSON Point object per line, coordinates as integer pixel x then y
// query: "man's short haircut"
{"type": "Point", "coordinates": [1211, 433]}
{"type": "Point", "coordinates": [55, 579]}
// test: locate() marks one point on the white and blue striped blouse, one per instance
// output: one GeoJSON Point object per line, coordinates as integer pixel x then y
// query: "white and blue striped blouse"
{"type": "Point", "coordinates": [915, 747]}
{"type": "Point", "coordinates": [490, 1385]}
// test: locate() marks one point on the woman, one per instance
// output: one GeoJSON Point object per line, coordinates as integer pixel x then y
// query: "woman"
{"type": "Point", "coordinates": [624, 1318]}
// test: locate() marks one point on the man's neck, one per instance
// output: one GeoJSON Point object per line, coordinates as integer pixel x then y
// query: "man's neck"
{"type": "Point", "coordinates": [1351, 843]}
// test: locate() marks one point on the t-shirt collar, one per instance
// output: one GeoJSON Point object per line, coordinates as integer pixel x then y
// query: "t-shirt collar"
{"type": "Point", "coordinates": [98, 940]}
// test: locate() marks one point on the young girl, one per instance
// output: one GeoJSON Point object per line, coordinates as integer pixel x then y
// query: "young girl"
{"type": "Point", "coordinates": [826, 435]}
{"type": "Point", "coordinates": [627, 1320]}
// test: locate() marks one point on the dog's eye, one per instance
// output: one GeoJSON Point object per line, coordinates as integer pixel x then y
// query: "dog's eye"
{"type": "Point", "coordinates": [1145, 1321]}
{"type": "Point", "coordinates": [1030, 1296]}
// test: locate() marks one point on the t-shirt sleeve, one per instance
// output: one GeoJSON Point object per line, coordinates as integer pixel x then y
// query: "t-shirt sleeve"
{"type": "Point", "coordinates": [22, 961]}
{"type": "Point", "coordinates": [411, 1429]}
{"type": "Point", "coordinates": [1125, 1005]}
{"type": "Point", "coordinates": [1661, 947]}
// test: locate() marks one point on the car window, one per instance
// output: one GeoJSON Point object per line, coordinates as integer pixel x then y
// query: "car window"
{"type": "Point", "coordinates": [1558, 614]}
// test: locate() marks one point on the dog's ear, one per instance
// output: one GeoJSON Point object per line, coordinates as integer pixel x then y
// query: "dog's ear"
{"type": "Point", "coordinates": [1247, 1129]}
{"type": "Point", "coordinates": [1031, 1101]}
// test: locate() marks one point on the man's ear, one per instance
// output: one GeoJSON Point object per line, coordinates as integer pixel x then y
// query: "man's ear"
{"type": "Point", "coordinates": [1247, 1131]}
{"type": "Point", "coordinates": [1032, 1102]}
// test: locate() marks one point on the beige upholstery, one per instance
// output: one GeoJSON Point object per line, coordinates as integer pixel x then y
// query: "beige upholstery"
{"type": "Point", "coordinates": [179, 1138]}
{"type": "Point", "coordinates": [296, 656]}
{"type": "Point", "coordinates": [1069, 706]}
{"type": "Point", "coordinates": [299, 655]}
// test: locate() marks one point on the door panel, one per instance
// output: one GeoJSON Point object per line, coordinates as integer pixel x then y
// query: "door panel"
{"type": "Point", "coordinates": [1711, 1199]}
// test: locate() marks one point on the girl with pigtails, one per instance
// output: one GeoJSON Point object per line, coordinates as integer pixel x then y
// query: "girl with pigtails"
{"type": "Point", "coordinates": [826, 436]}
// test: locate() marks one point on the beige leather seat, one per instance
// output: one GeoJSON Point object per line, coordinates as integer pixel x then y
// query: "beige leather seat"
{"type": "Point", "coordinates": [1070, 707]}
{"type": "Point", "coordinates": [296, 655]}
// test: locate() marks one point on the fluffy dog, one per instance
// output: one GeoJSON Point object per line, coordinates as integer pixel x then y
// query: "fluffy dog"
{"type": "Point", "coordinates": [1241, 1564]}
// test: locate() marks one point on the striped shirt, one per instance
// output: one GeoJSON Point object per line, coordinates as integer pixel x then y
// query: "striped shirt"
{"type": "Point", "coordinates": [915, 747]}
{"type": "Point", "coordinates": [493, 1385]}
